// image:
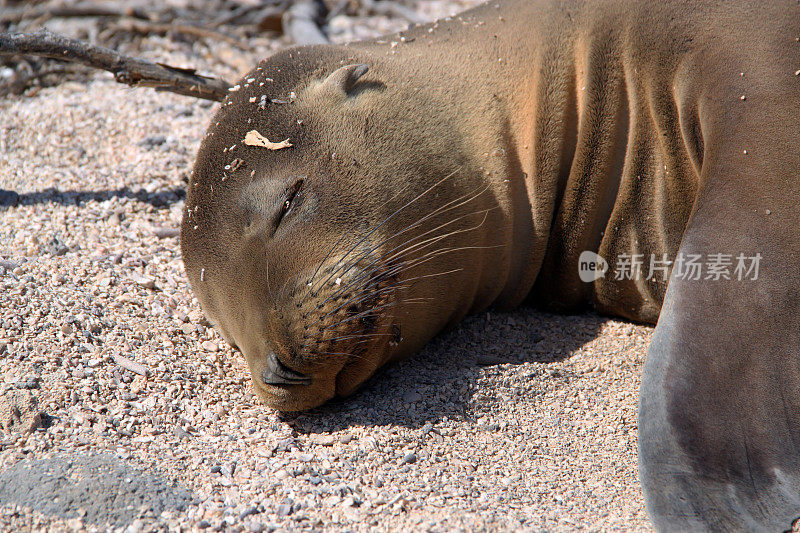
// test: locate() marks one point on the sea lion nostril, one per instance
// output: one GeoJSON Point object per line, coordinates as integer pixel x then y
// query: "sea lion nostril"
{"type": "Point", "coordinates": [277, 373]}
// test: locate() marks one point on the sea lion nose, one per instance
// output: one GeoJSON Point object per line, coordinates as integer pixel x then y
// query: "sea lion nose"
{"type": "Point", "coordinates": [278, 373]}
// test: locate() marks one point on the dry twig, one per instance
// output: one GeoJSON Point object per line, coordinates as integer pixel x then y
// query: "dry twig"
{"type": "Point", "coordinates": [130, 70]}
{"type": "Point", "coordinates": [146, 28]}
{"type": "Point", "coordinates": [251, 14]}
{"type": "Point", "coordinates": [65, 11]}
{"type": "Point", "coordinates": [133, 366]}
{"type": "Point", "coordinates": [21, 81]}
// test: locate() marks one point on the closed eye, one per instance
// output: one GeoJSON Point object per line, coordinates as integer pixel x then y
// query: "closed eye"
{"type": "Point", "coordinates": [291, 198]}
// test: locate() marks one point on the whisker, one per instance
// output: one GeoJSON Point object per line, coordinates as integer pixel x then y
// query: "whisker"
{"type": "Point", "coordinates": [435, 275]}
{"type": "Point", "coordinates": [387, 219]}
{"type": "Point", "coordinates": [438, 211]}
{"type": "Point", "coordinates": [431, 240]}
{"type": "Point", "coordinates": [269, 290]}
{"type": "Point", "coordinates": [350, 301]}
{"type": "Point", "coordinates": [282, 291]}
{"type": "Point", "coordinates": [311, 279]}
{"type": "Point", "coordinates": [346, 233]}
{"type": "Point", "coordinates": [354, 356]}
{"type": "Point", "coordinates": [361, 336]}
{"type": "Point", "coordinates": [391, 304]}
{"type": "Point", "coordinates": [294, 284]}
{"type": "Point", "coordinates": [396, 267]}
{"type": "Point", "coordinates": [438, 238]}
{"type": "Point", "coordinates": [372, 294]}
{"type": "Point", "coordinates": [436, 253]}
{"type": "Point", "coordinates": [359, 315]}
{"type": "Point", "coordinates": [420, 245]}
{"type": "Point", "coordinates": [373, 283]}
{"type": "Point", "coordinates": [403, 267]}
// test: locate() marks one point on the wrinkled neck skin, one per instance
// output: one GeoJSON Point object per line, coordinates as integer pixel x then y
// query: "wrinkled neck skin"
{"type": "Point", "coordinates": [491, 119]}
{"type": "Point", "coordinates": [511, 98]}
{"type": "Point", "coordinates": [585, 121]}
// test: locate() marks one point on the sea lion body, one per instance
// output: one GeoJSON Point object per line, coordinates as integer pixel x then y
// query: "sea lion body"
{"type": "Point", "coordinates": [473, 164]}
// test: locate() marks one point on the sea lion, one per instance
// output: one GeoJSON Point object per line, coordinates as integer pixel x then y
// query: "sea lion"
{"type": "Point", "coordinates": [349, 202]}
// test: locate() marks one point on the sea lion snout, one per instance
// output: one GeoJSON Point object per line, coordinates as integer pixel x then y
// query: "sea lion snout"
{"type": "Point", "coordinates": [327, 330]}
{"type": "Point", "coordinates": [278, 374]}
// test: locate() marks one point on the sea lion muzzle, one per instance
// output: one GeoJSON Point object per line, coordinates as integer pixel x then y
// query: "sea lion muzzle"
{"type": "Point", "coordinates": [278, 374]}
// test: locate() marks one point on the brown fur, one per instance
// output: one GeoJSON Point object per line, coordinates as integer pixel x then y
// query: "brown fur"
{"type": "Point", "coordinates": [531, 130]}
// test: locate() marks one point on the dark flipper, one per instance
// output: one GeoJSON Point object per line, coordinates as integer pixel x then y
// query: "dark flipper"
{"type": "Point", "coordinates": [719, 417]}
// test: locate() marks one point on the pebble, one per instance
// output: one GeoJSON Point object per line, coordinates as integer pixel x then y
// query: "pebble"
{"type": "Point", "coordinates": [144, 281]}
{"type": "Point", "coordinates": [324, 440]}
{"type": "Point", "coordinates": [209, 346]}
{"type": "Point", "coordinates": [55, 247]}
{"type": "Point", "coordinates": [166, 233]}
{"type": "Point", "coordinates": [131, 365]}
{"type": "Point", "coordinates": [9, 265]}
{"type": "Point", "coordinates": [181, 433]}
{"type": "Point", "coordinates": [350, 501]}
{"type": "Point", "coordinates": [412, 397]}
{"type": "Point", "coordinates": [248, 512]}
{"type": "Point", "coordinates": [228, 470]}
{"type": "Point", "coordinates": [136, 526]}
{"type": "Point", "coordinates": [255, 527]}
{"type": "Point", "coordinates": [409, 458]}
{"type": "Point", "coordinates": [153, 140]}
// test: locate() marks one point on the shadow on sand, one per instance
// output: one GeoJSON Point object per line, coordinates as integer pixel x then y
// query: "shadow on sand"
{"type": "Point", "coordinates": [55, 196]}
{"type": "Point", "coordinates": [441, 379]}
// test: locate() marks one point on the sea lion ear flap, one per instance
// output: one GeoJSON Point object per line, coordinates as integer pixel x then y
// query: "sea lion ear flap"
{"type": "Point", "coordinates": [343, 79]}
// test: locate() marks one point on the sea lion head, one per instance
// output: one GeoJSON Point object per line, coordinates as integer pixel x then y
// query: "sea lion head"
{"type": "Point", "coordinates": [322, 230]}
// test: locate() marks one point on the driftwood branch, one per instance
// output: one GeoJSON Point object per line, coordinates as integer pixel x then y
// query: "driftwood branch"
{"type": "Point", "coordinates": [130, 70]}
{"type": "Point", "coordinates": [252, 14]}
{"type": "Point", "coordinates": [146, 28]}
{"type": "Point", "coordinates": [65, 11]}
{"type": "Point", "coordinates": [20, 82]}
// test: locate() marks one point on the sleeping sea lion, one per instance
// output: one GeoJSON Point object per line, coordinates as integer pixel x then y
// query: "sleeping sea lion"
{"type": "Point", "coordinates": [349, 202]}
